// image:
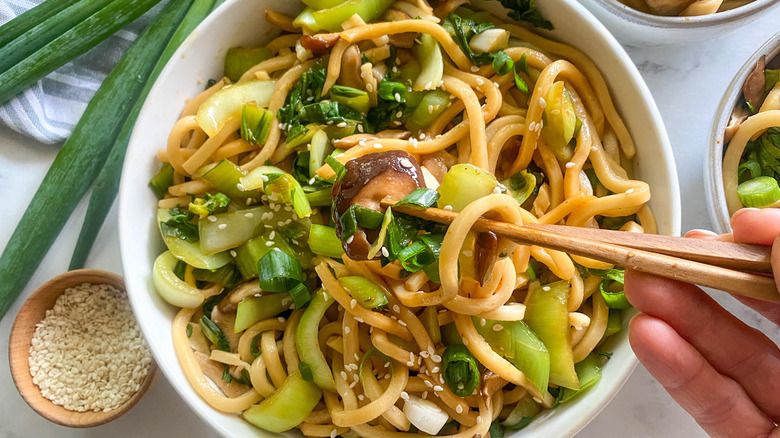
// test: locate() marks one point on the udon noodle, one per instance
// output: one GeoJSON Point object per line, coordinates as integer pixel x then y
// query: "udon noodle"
{"type": "Point", "coordinates": [470, 332]}
{"type": "Point", "coordinates": [684, 8]}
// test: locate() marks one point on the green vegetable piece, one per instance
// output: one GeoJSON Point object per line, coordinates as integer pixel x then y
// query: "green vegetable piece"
{"type": "Point", "coordinates": [324, 241]}
{"type": "Point", "coordinates": [561, 122]}
{"type": "Point", "coordinates": [522, 414]}
{"type": "Point", "coordinates": [365, 291]}
{"type": "Point", "coordinates": [430, 320]}
{"type": "Point", "coordinates": [278, 271]}
{"type": "Point", "coordinates": [307, 341]}
{"type": "Point", "coordinates": [460, 370]}
{"type": "Point", "coordinates": [375, 247]}
{"type": "Point", "coordinates": [431, 106]}
{"type": "Point", "coordinates": [526, 10]}
{"type": "Point", "coordinates": [496, 431]}
{"type": "Point", "coordinates": [330, 19]}
{"type": "Point", "coordinates": [450, 334]}
{"type": "Point", "coordinates": [431, 63]}
{"type": "Point", "coordinates": [226, 275]}
{"type": "Point", "coordinates": [238, 60]}
{"type": "Point", "coordinates": [515, 341]}
{"type": "Point", "coordinates": [502, 63]}
{"type": "Point", "coordinates": [209, 204]}
{"type": "Point", "coordinates": [254, 309]}
{"type": "Point", "coordinates": [287, 407]}
{"type": "Point", "coordinates": [226, 177]}
{"type": "Point", "coordinates": [463, 184]}
{"type": "Point", "coordinates": [352, 97]}
{"type": "Point", "coordinates": [230, 229]}
{"type": "Point", "coordinates": [321, 4]}
{"type": "Point", "coordinates": [305, 21]}
{"type": "Point", "coordinates": [214, 334]}
{"type": "Point", "coordinates": [31, 18]}
{"type": "Point", "coordinates": [320, 148]}
{"type": "Point", "coordinates": [162, 180]}
{"type": "Point", "coordinates": [548, 316]}
{"type": "Point", "coordinates": [614, 324]}
{"type": "Point", "coordinates": [521, 185]}
{"type": "Point", "coordinates": [759, 192]}
{"type": "Point", "coordinates": [588, 373]}
{"type": "Point", "coordinates": [255, 123]}
{"type": "Point", "coordinates": [189, 252]}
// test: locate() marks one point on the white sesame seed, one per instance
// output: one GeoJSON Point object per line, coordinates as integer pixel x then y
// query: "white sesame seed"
{"type": "Point", "coordinates": [448, 207]}
{"type": "Point", "coordinates": [546, 288]}
{"type": "Point", "coordinates": [413, 142]}
{"type": "Point", "coordinates": [424, 354]}
{"type": "Point", "coordinates": [334, 433]}
{"type": "Point", "coordinates": [360, 128]}
{"type": "Point", "coordinates": [399, 114]}
{"type": "Point", "coordinates": [212, 219]}
{"type": "Point", "coordinates": [532, 126]}
{"type": "Point", "coordinates": [344, 375]}
{"type": "Point", "coordinates": [537, 400]}
{"type": "Point", "coordinates": [360, 320]}
{"type": "Point", "coordinates": [468, 253]}
{"type": "Point", "coordinates": [436, 358]}
{"type": "Point", "coordinates": [350, 239]}
{"type": "Point", "coordinates": [240, 186]}
{"type": "Point", "coordinates": [233, 253]}
{"type": "Point", "coordinates": [222, 226]}
{"type": "Point", "coordinates": [341, 125]}
{"type": "Point", "coordinates": [402, 323]}
{"type": "Point", "coordinates": [482, 322]}
{"type": "Point", "coordinates": [459, 409]}
{"type": "Point", "coordinates": [404, 395]}
{"type": "Point", "coordinates": [410, 363]}
{"type": "Point", "coordinates": [496, 190]}
{"type": "Point", "coordinates": [406, 163]}
{"type": "Point", "coordinates": [312, 181]}
{"type": "Point", "coordinates": [269, 243]}
{"type": "Point", "coordinates": [352, 305]}
{"type": "Point", "coordinates": [474, 68]}
{"type": "Point", "coordinates": [346, 330]}
{"type": "Point", "coordinates": [569, 165]}
{"type": "Point", "coordinates": [435, 370]}
{"type": "Point", "coordinates": [437, 388]}
{"type": "Point", "coordinates": [480, 81]}
{"type": "Point", "coordinates": [272, 235]}
{"type": "Point", "coordinates": [465, 341]}
{"type": "Point", "coordinates": [396, 308]}
{"type": "Point", "coordinates": [542, 103]}
{"type": "Point", "coordinates": [428, 383]}
{"type": "Point", "coordinates": [498, 327]}
{"type": "Point", "coordinates": [479, 420]}
{"type": "Point", "coordinates": [385, 252]}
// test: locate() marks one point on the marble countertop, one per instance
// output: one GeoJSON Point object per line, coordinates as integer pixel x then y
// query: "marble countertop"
{"type": "Point", "coordinates": [687, 83]}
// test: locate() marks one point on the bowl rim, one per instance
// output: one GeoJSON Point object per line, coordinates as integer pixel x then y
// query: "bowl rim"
{"type": "Point", "coordinates": [636, 86]}
{"type": "Point", "coordinates": [701, 21]}
{"type": "Point", "coordinates": [713, 171]}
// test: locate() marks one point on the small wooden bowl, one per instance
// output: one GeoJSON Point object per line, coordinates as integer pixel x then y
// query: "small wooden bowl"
{"type": "Point", "coordinates": [32, 312]}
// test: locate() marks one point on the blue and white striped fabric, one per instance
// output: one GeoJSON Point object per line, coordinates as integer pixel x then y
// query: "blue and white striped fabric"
{"type": "Point", "coordinates": [49, 110]}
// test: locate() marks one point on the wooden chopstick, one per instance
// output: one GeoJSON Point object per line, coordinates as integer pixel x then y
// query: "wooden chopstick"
{"type": "Point", "coordinates": [692, 261]}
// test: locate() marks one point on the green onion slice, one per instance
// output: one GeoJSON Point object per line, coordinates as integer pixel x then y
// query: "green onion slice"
{"type": "Point", "coordinates": [614, 299]}
{"type": "Point", "coordinates": [422, 197]}
{"type": "Point", "coordinates": [213, 333]}
{"type": "Point", "coordinates": [281, 272]}
{"type": "Point", "coordinates": [460, 370]}
{"type": "Point", "coordinates": [759, 192]}
{"type": "Point", "coordinates": [502, 63]}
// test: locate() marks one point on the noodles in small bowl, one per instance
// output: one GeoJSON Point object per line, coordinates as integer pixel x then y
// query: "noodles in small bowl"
{"type": "Point", "coordinates": [740, 168]}
{"type": "Point", "coordinates": [279, 293]}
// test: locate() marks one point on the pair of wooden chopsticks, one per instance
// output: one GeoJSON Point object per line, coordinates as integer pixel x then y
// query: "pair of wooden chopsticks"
{"type": "Point", "coordinates": [731, 267]}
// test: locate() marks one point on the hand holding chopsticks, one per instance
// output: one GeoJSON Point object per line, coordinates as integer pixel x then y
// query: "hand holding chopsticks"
{"type": "Point", "coordinates": [730, 267]}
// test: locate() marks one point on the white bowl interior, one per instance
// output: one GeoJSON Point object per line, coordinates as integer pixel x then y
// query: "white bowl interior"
{"type": "Point", "coordinates": [713, 165]}
{"type": "Point", "coordinates": [241, 22]}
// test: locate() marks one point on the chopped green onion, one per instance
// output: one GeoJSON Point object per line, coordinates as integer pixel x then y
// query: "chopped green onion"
{"type": "Point", "coordinates": [337, 167]}
{"type": "Point", "coordinates": [502, 63]}
{"type": "Point", "coordinates": [753, 169]}
{"type": "Point", "coordinates": [521, 185]}
{"type": "Point", "coordinates": [356, 217]}
{"type": "Point", "coordinates": [423, 251]}
{"type": "Point", "coordinates": [226, 177]}
{"type": "Point", "coordinates": [281, 272]}
{"type": "Point", "coordinates": [389, 90]}
{"type": "Point", "coordinates": [522, 64]}
{"type": "Point", "coordinates": [430, 320]}
{"type": "Point", "coordinates": [213, 333]}
{"type": "Point", "coordinates": [615, 299]}
{"type": "Point", "coordinates": [432, 271]}
{"type": "Point", "coordinates": [519, 81]}
{"type": "Point", "coordinates": [460, 370]}
{"type": "Point", "coordinates": [320, 198]}
{"type": "Point", "coordinates": [324, 241]}
{"type": "Point", "coordinates": [365, 291]}
{"type": "Point", "coordinates": [422, 197]}
{"type": "Point", "coordinates": [285, 188]}
{"type": "Point", "coordinates": [255, 123]}
{"type": "Point", "coordinates": [759, 192]}
{"type": "Point", "coordinates": [189, 330]}
{"type": "Point", "coordinates": [431, 106]}
{"type": "Point", "coordinates": [162, 180]}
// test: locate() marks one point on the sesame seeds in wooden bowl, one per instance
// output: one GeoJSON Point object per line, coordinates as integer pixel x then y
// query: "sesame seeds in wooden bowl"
{"type": "Point", "coordinates": [94, 332]}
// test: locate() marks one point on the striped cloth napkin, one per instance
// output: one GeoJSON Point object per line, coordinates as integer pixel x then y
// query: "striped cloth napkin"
{"type": "Point", "coordinates": [49, 110]}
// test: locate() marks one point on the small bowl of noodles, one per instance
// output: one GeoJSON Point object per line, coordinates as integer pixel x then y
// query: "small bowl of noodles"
{"type": "Point", "coordinates": [277, 291]}
{"type": "Point", "coordinates": [741, 167]}
{"type": "Point", "coordinates": [675, 22]}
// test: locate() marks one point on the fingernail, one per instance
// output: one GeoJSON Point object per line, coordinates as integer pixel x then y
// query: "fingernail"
{"type": "Point", "coordinates": [742, 210]}
{"type": "Point", "coordinates": [697, 232]}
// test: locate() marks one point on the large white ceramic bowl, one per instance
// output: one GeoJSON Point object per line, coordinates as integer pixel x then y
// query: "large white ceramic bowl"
{"type": "Point", "coordinates": [713, 165]}
{"type": "Point", "coordinates": [241, 22]}
{"type": "Point", "coordinates": [640, 29]}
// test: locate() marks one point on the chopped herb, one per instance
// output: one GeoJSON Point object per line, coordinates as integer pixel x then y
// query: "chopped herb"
{"type": "Point", "coordinates": [179, 225]}
{"type": "Point", "coordinates": [526, 10]}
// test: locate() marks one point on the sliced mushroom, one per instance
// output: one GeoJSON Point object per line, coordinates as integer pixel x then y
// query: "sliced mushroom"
{"type": "Point", "coordinates": [226, 322]}
{"type": "Point", "coordinates": [754, 84]}
{"type": "Point", "coordinates": [320, 43]}
{"type": "Point", "coordinates": [213, 370]}
{"type": "Point", "coordinates": [401, 39]}
{"type": "Point", "coordinates": [739, 115]}
{"type": "Point", "coordinates": [486, 255]}
{"type": "Point", "coordinates": [229, 304]}
{"type": "Point", "coordinates": [368, 180]}
{"type": "Point", "coordinates": [350, 68]}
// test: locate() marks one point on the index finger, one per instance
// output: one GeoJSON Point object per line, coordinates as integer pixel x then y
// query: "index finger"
{"type": "Point", "coordinates": [753, 225]}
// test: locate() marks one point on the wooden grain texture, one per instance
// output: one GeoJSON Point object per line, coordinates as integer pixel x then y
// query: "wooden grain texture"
{"type": "Point", "coordinates": [33, 311]}
{"type": "Point", "coordinates": [708, 271]}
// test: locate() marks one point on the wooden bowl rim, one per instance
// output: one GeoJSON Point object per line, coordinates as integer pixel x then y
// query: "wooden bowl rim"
{"type": "Point", "coordinates": [20, 340]}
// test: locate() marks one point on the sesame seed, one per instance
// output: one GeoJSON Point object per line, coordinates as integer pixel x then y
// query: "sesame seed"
{"type": "Point", "coordinates": [542, 103]}
{"type": "Point", "coordinates": [240, 186]}
{"type": "Point", "coordinates": [482, 322]}
{"type": "Point", "coordinates": [468, 253]}
{"type": "Point", "coordinates": [269, 243]}
{"type": "Point", "coordinates": [352, 385]}
{"type": "Point", "coordinates": [350, 239]}
{"type": "Point", "coordinates": [396, 308]}
{"type": "Point", "coordinates": [479, 420]}
{"type": "Point", "coordinates": [436, 358]}
{"type": "Point", "coordinates": [459, 409]}
{"type": "Point", "coordinates": [361, 397]}
{"type": "Point", "coordinates": [334, 433]}
{"type": "Point", "coordinates": [312, 181]}
{"type": "Point", "coordinates": [569, 165]}
{"type": "Point", "coordinates": [406, 163]}
{"type": "Point", "coordinates": [430, 109]}
{"type": "Point", "coordinates": [498, 327]}
{"type": "Point", "coordinates": [347, 330]}
{"type": "Point", "coordinates": [233, 253]}
{"type": "Point", "coordinates": [480, 81]}
{"type": "Point", "coordinates": [465, 342]}
{"type": "Point", "coordinates": [360, 128]}
{"type": "Point", "coordinates": [496, 190]}
{"type": "Point", "coordinates": [360, 320]}
{"type": "Point", "coordinates": [385, 252]}
{"type": "Point", "coordinates": [425, 395]}
{"type": "Point", "coordinates": [281, 319]}
{"type": "Point", "coordinates": [404, 395]}
{"type": "Point", "coordinates": [424, 354]}
{"type": "Point", "coordinates": [437, 388]}
{"type": "Point", "coordinates": [352, 305]}
{"type": "Point", "coordinates": [377, 146]}
{"type": "Point", "coordinates": [474, 68]}
{"type": "Point", "coordinates": [461, 385]}
{"type": "Point", "coordinates": [428, 383]}
{"type": "Point", "coordinates": [546, 288]}
{"type": "Point", "coordinates": [410, 363]}
{"type": "Point", "coordinates": [403, 324]}
{"type": "Point", "coordinates": [435, 370]}
{"type": "Point", "coordinates": [413, 142]}
{"type": "Point", "coordinates": [532, 126]}
{"type": "Point", "coordinates": [212, 219]}
{"type": "Point", "coordinates": [448, 207]}
{"type": "Point", "coordinates": [272, 235]}
{"type": "Point", "coordinates": [399, 114]}
{"type": "Point", "coordinates": [344, 375]}
{"type": "Point", "coordinates": [222, 226]}
{"type": "Point", "coordinates": [341, 125]}
{"type": "Point", "coordinates": [537, 400]}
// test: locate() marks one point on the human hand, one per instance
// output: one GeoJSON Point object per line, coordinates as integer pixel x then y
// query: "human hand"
{"type": "Point", "coordinates": [723, 372]}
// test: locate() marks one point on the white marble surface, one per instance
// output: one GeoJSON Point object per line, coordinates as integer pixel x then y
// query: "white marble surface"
{"type": "Point", "coordinates": [687, 83]}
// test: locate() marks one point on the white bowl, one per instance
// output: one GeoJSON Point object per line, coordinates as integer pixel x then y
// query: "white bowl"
{"type": "Point", "coordinates": [713, 165]}
{"type": "Point", "coordinates": [635, 28]}
{"type": "Point", "coordinates": [241, 22]}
